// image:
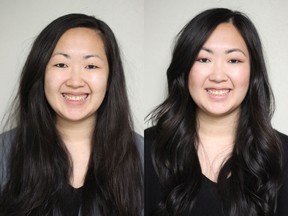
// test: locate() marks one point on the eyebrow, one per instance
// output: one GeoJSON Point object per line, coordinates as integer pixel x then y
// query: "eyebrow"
{"type": "Point", "coordinates": [92, 56]}
{"type": "Point", "coordinates": [84, 57]}
{"type": "Point", "coordinates": [226, 52]}
{"type": "Point", "coordinates": [235, 50]}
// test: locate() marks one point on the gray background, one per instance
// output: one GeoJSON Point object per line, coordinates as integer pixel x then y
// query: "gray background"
{"type": "Point", "coordinates": [21, 21]}
{"type": "Point", "coordinates": [148, 44]}
{"type": "Point", "coordinates": [165, 18]}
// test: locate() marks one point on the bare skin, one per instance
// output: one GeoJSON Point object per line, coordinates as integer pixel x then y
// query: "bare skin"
{"type": "Point", "coordinates": [77, 139]}
{"type": "Point", "coordinates": [216, 141]}
{"type": "Point", "coordinates": [75, 86]}
{"type": "Point", "coordinates": [218, 83]}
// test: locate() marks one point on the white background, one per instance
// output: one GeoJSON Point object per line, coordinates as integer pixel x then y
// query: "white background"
{"type": "Point", "coordinates": [165, 18]}
{"type": "Point", "coordinates": [148, 44]}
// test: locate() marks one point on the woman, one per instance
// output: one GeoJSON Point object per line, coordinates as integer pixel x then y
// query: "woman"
{"type": "Point", "coordinates": [213, 150]}
{"type": "Point", "coordinates": [74, 144]}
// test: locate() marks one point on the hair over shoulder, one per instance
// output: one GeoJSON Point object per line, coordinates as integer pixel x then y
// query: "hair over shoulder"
{"type": "Point", "coordinates": [39, 163]}
{"type": "Point", "coordinates": [254, 168]}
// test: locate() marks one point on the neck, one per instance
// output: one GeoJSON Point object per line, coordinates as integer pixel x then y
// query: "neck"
{"type": "Point", "coordinates": [77, 137]}
{"type": "Point", "coordinates": [216, 136]}
{"type": "Point", "coordinates": [74, 132]}
{"type": "Point", "coordinates": [217, 127]}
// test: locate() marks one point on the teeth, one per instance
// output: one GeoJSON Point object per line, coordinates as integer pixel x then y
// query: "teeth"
{"type": "Point", "coordinates": [75, 98]}
{"type": "Point", "coordinates": [218, 92]}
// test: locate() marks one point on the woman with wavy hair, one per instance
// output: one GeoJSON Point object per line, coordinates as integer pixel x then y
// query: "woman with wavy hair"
{"type": "Point", "coordinates": [73, 151]}
{"type": "Point", "coordinates": [212, 149]}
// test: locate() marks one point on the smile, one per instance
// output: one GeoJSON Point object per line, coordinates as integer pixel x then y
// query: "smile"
{"type": "Point", "coordinates": [75, 97]}
{"type": "Point", "coordinates": [216, 92]}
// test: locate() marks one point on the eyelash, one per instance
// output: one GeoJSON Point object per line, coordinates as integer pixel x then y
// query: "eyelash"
{"type": "Point", "coordinates": [91, 66]}
{"type": "Point", "coordinates": [62, 65]}
{"type": "Point", "coordinates": [203, 60]}
{"type": "Point", "coordinates": [234, 61]}
{"type": "Point", "coordinates": [206, 60]}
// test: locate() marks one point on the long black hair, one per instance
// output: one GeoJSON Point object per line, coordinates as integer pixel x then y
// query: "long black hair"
{"type": "Point", "coordinates": [254, 167]}
{"type": "Point", "coordinates": [39, 165]}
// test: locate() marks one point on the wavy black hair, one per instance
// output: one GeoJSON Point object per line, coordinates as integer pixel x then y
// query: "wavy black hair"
{"type": "Point", "coordinates": [39, 166]}
{"type": "Point", "coordinates": [254, 167]}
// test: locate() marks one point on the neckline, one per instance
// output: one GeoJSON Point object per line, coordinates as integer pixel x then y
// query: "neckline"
{"type": "Point", "coordinates": [75, 189]}
{"type": "Point", "coordinates": [205, 178]}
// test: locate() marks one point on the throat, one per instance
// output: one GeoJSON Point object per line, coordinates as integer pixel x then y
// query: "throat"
{"type": "Point", "coordinates": [212, 157]}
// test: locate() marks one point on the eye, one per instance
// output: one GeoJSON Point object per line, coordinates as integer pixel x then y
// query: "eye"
{"type": "Point", "coordinates": [234, 61]}
{"type": "Point", "coordinates": [203, 60]}
{"type": "Point", "coordinates": [91, 66]}
{"type": "Point", "coordinates": [61, 65]}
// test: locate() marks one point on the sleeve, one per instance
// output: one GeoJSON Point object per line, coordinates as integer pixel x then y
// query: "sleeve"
{"type": "Point", "coordinates": [140, 146]}
{"type": "Point", "coordinates": [282, 207]}
{"type": "Point", "coordinates": [5, 146]}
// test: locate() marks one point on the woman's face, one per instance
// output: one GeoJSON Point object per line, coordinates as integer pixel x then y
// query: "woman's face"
{"type": "Point", "coordinates": [76, 75]}
{"type": "Point", "coordinates": [219, 78]}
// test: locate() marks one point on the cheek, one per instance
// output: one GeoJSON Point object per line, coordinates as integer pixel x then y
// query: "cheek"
{"type": "Point", "coordinates": [242, 77]}
{"type": "Point", "coordinates": [52, 82]}
{"type": "Point", "coordinates": [99, 82]}
{"type": "Point", "coordinates": [194, 84]}
{"type": "Point", "coordinates": [192, 80]}
{"type": "Point", "coordinates": [195, 79]}
{"type": "Point", "coordinates": [48, 83]}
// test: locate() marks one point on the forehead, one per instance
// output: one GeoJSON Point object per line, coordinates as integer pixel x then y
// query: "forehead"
{"type": "Point", "coordinates": [80, 43]}
{"type": "Point", "coordinates": [80, 36]}
{"type": "Point", "coordinates": [226, 35]}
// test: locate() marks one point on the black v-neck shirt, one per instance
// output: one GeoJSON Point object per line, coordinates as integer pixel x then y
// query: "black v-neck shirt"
{"type": "Point", "coordinates": [208, 202]}
{"type": "Point", "coordinates": [208, 195]}
{"type": "Point", "coordinates": [71, 202]}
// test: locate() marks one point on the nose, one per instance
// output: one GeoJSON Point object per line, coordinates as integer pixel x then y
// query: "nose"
{"type": "Point", "coordinates": [218, 74]}
{"type": "Point", "coordinates": [75, 79]}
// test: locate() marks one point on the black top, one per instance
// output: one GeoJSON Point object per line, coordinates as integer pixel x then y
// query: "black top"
{"type": "Point", "coordinates": [208, 201]}
{"type": "Point", "coordinates": [70, 201]}
{"type": "Point", "coordinates": [71, 206]}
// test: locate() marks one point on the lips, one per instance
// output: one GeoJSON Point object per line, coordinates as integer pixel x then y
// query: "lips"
{"type": "Point", "coordinates": [74, 97]}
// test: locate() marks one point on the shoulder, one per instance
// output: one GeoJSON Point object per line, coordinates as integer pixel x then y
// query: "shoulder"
{"type": "Point", "coordinates": [7, 136]}
{"type": "Point", "coordinates": [284, 142]}
{"type": "Point", "coordinates": [149, 139]}
{"type": "Point", "coordinates": [150, 132]}
{"type": "Point", "coordinates": [150, 135]}
{"type": "Point", "coordinates": [139, 141]}
{"type": "Point", "coordinates": [283, 138]}
{"type": "Point", "coordinates": [6, 139]}
{"type": "Point", "coordinates": [140, 145]}
{"type": "Point", "coordinates": [282, 208]}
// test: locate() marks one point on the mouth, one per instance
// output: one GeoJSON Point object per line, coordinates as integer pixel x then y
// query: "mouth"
{"type": "Point", "coordinates": [72, 97]}
{"type": "Point", "coordinates": [218, 92]}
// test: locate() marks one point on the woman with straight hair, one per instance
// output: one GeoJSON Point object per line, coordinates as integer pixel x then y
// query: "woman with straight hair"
{"type": "Point", "coordinates": [212, 149]}
{"type": "Point", "coordinates": [73, 150]}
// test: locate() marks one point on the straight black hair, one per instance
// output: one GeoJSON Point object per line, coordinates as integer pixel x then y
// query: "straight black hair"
{"type": "Point", "coordinates": [39, 165]}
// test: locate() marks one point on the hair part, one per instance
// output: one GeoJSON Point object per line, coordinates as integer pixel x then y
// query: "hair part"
{"type": "Point", "coordinates": [254, 166]}
{"type": "Point", "coordinates": [40, 165]}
